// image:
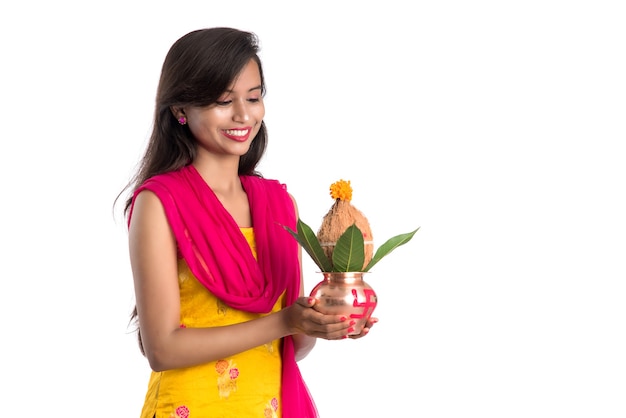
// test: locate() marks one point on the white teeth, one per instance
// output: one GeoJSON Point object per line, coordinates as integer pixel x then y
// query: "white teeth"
{"type": "Point", "coordinates": [236, 132]}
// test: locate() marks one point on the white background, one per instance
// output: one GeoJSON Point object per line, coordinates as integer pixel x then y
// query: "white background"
{"type": "Point", "coordinates": [497, 127]}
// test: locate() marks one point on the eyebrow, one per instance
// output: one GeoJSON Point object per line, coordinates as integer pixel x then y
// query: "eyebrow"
{"type": "Point", "coordinates": [259, 87]}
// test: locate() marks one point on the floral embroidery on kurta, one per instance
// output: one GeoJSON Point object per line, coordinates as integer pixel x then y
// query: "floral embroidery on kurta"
{"type": "Point", "coordinates": [227, 377]}
{"type": "Point", "coordinates": [181, 412]}
{"type": "Point", "coordinates": [271, 408]}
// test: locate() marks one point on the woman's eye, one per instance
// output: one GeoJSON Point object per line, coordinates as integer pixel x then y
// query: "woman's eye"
{"type": "Point", "coordinates": [254, 99]}
{"type": "Point", "coordinates": [223, 102]}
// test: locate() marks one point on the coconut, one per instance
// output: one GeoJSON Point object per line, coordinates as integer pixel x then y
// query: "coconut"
{"type": "Point", "coordinates": [342, 215]}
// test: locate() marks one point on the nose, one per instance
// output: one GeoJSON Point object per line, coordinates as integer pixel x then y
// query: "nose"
{"type": "Point", "coordinates": [241, 113]}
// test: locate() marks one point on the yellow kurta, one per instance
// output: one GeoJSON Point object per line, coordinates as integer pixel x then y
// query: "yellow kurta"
{"type": "Point", "coordinates": [240, 386]}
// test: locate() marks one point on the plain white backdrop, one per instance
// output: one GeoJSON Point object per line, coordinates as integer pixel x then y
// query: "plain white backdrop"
{"type": "Point", "coordinates": [497, 127]}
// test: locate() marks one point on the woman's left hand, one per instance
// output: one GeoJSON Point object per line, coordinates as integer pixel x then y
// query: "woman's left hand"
{"type": "Point", "coordinates": [366, 329]}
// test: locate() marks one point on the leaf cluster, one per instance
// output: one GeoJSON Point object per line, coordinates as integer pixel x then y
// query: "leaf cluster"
{"type": "Point", "coordinates": [349, 252]}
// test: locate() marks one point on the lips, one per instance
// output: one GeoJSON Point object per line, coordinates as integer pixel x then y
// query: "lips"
{"type": "Point", "coordinates": [239, 135]}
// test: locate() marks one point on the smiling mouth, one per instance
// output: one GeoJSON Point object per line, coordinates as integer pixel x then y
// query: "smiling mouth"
{"type": "Point", "coordinates": [237, 134]}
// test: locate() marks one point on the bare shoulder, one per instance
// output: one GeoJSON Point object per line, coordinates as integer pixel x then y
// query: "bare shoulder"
{"type": "Point", "coordinates": [147, 210]}
{"type": "Point", "coordinates": [150, 235]}
{"type": "Point", "coordinates": [147, 198]}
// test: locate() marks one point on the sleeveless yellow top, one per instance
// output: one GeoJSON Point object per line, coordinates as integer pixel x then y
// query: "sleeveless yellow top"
{"type": "Point", "coordinates": [240, 386]}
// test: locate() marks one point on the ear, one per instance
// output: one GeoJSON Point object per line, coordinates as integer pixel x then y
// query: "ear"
{"type": "Point", "coordinates": [178, 112]}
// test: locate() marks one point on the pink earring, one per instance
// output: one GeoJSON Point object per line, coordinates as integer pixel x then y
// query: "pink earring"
{"type": "Point", "coordinates": [182, 120]}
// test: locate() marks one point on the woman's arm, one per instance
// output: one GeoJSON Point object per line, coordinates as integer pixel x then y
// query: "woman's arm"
{"type": "Point", "coordinates": [167, 346]}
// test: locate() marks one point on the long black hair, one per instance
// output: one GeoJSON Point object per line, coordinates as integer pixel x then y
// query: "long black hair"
{"type": "Point", "coordinates": [197, 70]}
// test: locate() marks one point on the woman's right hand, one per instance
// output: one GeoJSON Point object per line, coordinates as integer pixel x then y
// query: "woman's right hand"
{"type": "Point", "coordinates": [302, 318]}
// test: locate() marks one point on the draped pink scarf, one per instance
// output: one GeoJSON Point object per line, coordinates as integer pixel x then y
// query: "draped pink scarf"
{"type": "Point", "coordinates": [220, 258]}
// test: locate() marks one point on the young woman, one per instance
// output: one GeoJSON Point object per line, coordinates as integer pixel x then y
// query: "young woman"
{"type": "Point", "coordinates": [220, 309]}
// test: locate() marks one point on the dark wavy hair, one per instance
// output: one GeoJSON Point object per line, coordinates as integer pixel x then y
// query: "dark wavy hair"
{"type": "Point", "coordinates": [198, 69]}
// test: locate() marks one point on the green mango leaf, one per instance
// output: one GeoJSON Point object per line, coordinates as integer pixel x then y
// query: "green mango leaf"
{"type": "Point", "coordinates": [349, 252]}
{"type": "Point", "coordinates": [308, 240]}
{"type": "Point", "coordinates": [389, 246]}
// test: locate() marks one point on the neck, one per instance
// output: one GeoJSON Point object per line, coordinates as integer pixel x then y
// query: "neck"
{"type": "Point", "coordinates": [221, 174]}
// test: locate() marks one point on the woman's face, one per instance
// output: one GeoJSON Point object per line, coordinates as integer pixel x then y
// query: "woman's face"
{"type": "Point", "coordinates": [229, 126]}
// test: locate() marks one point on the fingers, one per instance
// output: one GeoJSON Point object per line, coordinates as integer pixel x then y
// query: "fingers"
{"type": "Point", "coordinates": [371, 322]}
{"type": "Point", "coordinates": [329, 327]}
{"type": "Point", "coordinates": [366, 329]}
{"type": "Point", "coordinates": [306, 302]}
{"type": "Point", "coordinates": [316, 324]}
{"type": "Point", "coordinates": [313, 323]}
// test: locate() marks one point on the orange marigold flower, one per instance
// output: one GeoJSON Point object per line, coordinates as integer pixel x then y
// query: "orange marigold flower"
{"type": "Point", "coordinates": [341, 190]}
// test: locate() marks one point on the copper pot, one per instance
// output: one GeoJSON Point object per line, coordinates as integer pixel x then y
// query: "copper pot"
{"type": "Point", "coordinates": [346, 293]}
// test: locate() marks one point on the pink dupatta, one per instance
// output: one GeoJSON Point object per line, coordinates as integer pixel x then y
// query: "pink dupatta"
{"type": "Point", "coordinates": [220, 258]}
